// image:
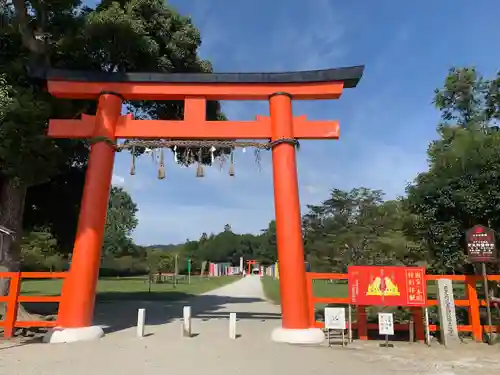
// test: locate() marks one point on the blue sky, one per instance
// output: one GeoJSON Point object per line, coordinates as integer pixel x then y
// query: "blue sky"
{"type": "Point", "coordinates": [386, 122]}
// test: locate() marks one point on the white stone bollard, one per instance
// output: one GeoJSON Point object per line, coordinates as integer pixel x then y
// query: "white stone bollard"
{"type": "Point", "coordinates": [141, 322]}
{"type": "Point", "coordinates": [232, 326]}
{"type": "Point", "coordinates": [186, 322]}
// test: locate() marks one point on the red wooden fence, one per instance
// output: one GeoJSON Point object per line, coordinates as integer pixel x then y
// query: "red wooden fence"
{"type": "Point", "coordinates": [472, 303]}
{"type": "Point", "coordinates": [13, 299]}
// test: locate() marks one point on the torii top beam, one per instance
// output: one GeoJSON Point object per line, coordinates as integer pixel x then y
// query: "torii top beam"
{"type": "Point", "coordinates": [304, 85]}
{"type": "Point", "coordinates": [195, 89]}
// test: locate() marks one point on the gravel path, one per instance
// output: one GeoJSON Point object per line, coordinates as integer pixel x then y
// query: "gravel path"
{"type": "Point", "coordinates": [211, 352]}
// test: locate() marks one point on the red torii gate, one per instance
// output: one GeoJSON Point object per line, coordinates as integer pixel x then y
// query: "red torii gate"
{"type": "Point", "coordinates": [250, 263]}
{"type": "Point", "coordinates": [111, 89]}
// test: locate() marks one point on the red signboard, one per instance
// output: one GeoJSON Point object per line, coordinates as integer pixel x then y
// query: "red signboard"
{"type": "Point", "coordinates": [387, 286]}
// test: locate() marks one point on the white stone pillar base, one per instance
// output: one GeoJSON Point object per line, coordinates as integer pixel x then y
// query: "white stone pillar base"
{"type": "Point", "coordinates": [67, 335]}
{"type": "Point", "coordinates": [298, 336]}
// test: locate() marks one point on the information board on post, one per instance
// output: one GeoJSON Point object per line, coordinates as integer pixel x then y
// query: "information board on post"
{"type": "Point", "coordinates": [481, 246]}
{"type": "Point", "coordinates": [335, 318]}
{"type": "Point", "coordinates": [386, 324]}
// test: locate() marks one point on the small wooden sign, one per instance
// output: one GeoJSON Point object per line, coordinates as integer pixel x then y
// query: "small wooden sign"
{"type": "Point", "coordinates": [481, 246]}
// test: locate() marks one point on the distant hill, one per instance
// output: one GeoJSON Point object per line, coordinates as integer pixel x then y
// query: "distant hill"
{"type": "Point", "coordinates": [169, 247]}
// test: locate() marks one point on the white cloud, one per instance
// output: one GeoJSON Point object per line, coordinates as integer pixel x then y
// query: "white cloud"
{"type": "Point", "coordinates": [130, 183]}
{"type": "Point", "coordinates": [176, 223]}
{"type": "Point", "coordinates": [318, 45]}
{"type": "Point", "coordinates": [118, 180]}
{"type": "Point", "coordinates": [315, 191]}
{"type": "Point", "coordinates": [183, 207]}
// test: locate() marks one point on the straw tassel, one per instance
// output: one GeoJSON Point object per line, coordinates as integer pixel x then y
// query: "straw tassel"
{"type": "Point", "coordinates": [199, 168]}
{"type": "Point", "coordinates": [199, 171]}
{"type": "Point", "coordinates": [231, 165]}
{"type": "Point", "coordinates": [132, 167]}
{"type": "Point", "coordinates": [161, 169]}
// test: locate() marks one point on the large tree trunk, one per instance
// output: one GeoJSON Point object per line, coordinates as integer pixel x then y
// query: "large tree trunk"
{"type": "Point", "coordinates": [12, 197]}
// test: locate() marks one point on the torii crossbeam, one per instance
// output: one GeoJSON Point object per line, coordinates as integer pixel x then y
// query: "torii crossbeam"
{"type": "Point", "coordinates": [111, 89]}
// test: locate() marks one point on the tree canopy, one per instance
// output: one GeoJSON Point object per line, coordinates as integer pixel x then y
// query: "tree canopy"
{"type": "Point", "coordinates": [41, 177]}
{"type": "Point", "coordinates": [460, 189]}
{"type": "Point", "coordinates": [120, 223]}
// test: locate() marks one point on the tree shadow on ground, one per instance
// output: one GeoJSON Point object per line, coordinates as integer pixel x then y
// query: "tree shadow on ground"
{"type": "Point", "coordinates": [118, 311]}
{"type": "Point", "coordinates": [239, 315]}
{"type": "Point", "coordinates": [117, 315]}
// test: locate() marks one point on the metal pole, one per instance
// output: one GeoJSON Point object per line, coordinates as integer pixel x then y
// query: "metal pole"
{"type": "Point", "coordinates": [176, 269]}
{"type": "Point", "coordinates": [488, 310]}
{"type": "Point", "coordinates": [383, 301]}
{"type": "Point", "coordinates": [349, 323]}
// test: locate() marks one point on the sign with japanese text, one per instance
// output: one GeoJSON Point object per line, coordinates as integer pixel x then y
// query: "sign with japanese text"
{"type": "Point", "coordinates": [481, 246]}
{"type": "Point", "coordinates": [335, 318]}
{"type": "Point", "coordinates": [387, 286]}
{"type": "Point", "coordinates": [385, 324]}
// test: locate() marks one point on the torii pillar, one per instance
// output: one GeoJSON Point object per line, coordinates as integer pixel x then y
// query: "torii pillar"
{"type": "Point", "coordinates": [111, 89]}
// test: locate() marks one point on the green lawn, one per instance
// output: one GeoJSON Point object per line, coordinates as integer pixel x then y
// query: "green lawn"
{"type": "Point", "coordinates": [338, 288]}
{"type": "Point", "coordinates": [321, 288]}
{"type": "Point", "coordinates": [271, 289]}
{"type": "Point", "coordinates": [132, 288]}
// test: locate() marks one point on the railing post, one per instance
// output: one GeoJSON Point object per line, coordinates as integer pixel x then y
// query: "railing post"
{"type": "Point", "coordinates": [310, 299]}
{"type": "Point", "coordinates": [474, 317]}
{"type": "Point", "coordinates": [418, 319]}
{"type": "Point", "coordinates": [11, 308]}
{"type": "Point", "coordinates": [362, 322]}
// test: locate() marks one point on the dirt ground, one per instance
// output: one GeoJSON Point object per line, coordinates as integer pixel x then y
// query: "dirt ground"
{"type": "Point", "coordinates": [211, 351]}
